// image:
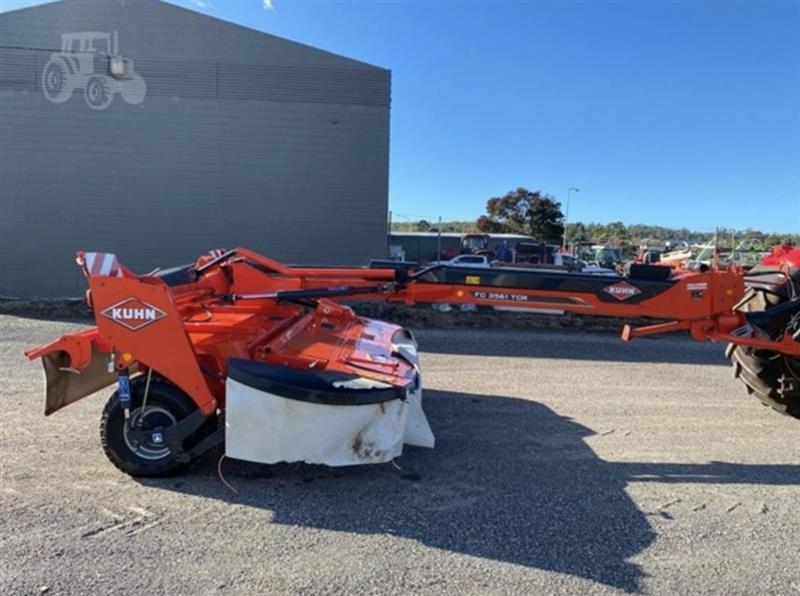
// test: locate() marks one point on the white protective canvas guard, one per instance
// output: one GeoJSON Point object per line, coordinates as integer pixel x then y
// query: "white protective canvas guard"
{"type": "Point", "coordinates": [268, 428]}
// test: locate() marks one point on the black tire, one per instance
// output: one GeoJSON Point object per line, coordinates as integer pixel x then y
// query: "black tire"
{"type": "Point", "coordinates": [771, 377]}
{"type": "Point", "coordinates": [166, 404]}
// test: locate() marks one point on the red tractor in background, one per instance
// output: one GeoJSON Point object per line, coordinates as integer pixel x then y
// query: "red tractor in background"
{"type": "Point", "coordinates": [772, 294]}
{"type": "Point", "coordinates": [470, 244]}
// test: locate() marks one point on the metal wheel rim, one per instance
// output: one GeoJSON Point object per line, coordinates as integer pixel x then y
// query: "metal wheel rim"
{"type": "Point", "coordinates": [145, 451]}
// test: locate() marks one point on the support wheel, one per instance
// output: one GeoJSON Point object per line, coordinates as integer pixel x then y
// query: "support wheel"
{"type": "Point", "coordinates": [166, 405]}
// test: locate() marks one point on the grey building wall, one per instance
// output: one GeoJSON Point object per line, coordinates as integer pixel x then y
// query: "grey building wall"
{"type": "Point", "coordinates": [243, 139]}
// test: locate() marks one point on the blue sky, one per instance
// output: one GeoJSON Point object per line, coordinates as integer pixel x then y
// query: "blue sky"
{"type": "Point", "coordinates": [672, 113]}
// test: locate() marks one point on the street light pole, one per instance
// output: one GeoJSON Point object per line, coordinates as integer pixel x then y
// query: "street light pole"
{"type": "Point", "coordinates": [566, 215]}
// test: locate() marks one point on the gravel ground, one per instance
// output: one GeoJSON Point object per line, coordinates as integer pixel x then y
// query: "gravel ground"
{"type": "Point", "coordinates": [566, 463]}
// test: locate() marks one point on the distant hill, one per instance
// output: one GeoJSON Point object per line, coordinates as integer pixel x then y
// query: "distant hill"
{"type": "Point", "coordinates": [422, 225]}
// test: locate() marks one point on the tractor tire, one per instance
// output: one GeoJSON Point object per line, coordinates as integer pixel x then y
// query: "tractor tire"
{"type": "Point", "coordinates": [98, 93]}
{"type": "Point", "coordinates": [55, 81]}
{"type": "Point", "coordinates": [771, 377]}
{"type": "Point", "coordinates": [166, 405]}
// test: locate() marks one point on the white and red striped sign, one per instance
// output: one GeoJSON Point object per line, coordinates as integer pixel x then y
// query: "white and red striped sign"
{"type": "Point", "coordinates": [102, 263]}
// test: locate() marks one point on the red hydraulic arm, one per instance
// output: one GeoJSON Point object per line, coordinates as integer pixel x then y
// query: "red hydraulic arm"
{"type": "Point", "coordinates": [186, 323]}
{"type": "Point", "coordinates": [702, 303]}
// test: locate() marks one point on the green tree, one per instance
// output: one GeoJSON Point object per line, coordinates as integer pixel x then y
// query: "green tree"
{"type": "Point", "coordinates": [491, 226]}
{"type": "Point", "coordinates": [616, 232]}
{"type": "Point", "coordinates": [577, 232]}
{"type": "Point", "coordinates": [522, 211]}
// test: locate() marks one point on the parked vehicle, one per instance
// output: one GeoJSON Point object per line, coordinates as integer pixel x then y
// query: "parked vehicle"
{"type": "Point", "coordinates": [533, 255]}
{"type": "Point", "coordinates": [605, 255]}
{"type": "Point", "coordinates": [471, 244]}
{"type": "Point", "coordinates": [481, 261]}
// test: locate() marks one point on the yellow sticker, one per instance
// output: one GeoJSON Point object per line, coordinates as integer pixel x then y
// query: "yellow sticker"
{"type": "Point", "coordinates": [472, 280]}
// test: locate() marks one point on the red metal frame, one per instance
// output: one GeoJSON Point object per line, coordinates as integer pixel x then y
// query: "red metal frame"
{"type": "Point", "coordinates": [232, 310]}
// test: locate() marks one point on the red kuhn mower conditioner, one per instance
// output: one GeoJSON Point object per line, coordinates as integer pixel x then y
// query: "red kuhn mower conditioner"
{"type": "Point", "coordinates": [242, 349]}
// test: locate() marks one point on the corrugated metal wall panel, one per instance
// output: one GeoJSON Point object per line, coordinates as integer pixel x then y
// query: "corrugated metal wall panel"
{"type": "Point", "coordinates": [18, 69]}
{"type": "Point", "coordinates": [276, 83]}
{"type": "Point", "coordinates": [21, 69]}
{"type": "Point", "coordinates": [297, 168]}
{"type": "Point", "coordinates": [180, 78]}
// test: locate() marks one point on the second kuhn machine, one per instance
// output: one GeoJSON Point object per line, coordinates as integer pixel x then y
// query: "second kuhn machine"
{"type": "Point", "coordinates": [240, 349]}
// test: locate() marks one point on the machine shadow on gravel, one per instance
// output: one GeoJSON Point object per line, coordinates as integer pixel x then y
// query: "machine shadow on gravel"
{"type": "Point", "coordinates": [509, 480]}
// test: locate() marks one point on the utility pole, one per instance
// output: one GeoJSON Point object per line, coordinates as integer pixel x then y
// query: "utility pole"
{"type": "Point", "coordinates": [389, 237]}
{"type": "Point", "coordinates": [439, 240]}
{"type": "Point", "coordinates": [566, 216]}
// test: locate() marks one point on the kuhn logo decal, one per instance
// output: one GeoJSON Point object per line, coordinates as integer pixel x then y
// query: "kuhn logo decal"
{"type": "Point", "coordinates": [133, 313]}
{"type": "Point", "coordinates": [622, 291]}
